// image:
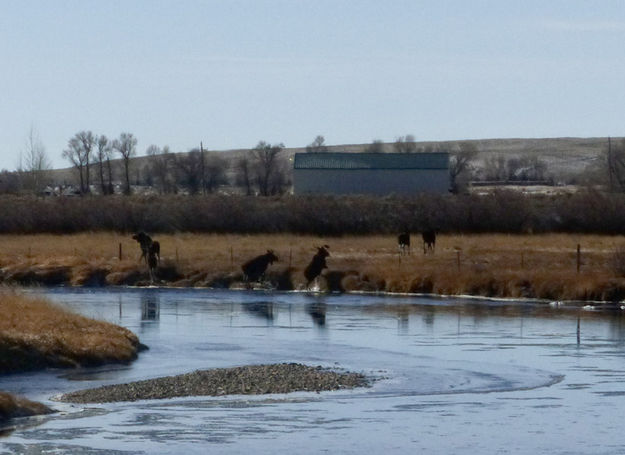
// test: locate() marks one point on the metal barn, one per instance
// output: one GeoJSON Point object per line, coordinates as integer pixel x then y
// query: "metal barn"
{"type": "Point", "coordinates": [371, 173]}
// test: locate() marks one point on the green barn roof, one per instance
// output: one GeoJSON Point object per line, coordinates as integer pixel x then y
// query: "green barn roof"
{"type": "Point", "coordinates": [437, 160]}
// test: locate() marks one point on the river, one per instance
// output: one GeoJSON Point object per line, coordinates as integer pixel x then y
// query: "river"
{"type": "Point", "coordinates": [452, 376]}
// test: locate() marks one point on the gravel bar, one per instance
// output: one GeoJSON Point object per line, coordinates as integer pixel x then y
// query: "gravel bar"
{"type": "Point", "coordinates": [245, 380]}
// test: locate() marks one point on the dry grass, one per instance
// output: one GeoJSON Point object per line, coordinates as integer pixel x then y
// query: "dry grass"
{"type": "Point", "coordinates": [541, 266]}
{"type": "Point", "coordinates": [35, 333]}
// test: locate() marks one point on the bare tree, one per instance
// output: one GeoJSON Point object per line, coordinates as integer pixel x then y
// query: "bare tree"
{"type": "Point", "coordinates": [460, 165]}
{"type": "Point", "coordinates": [317, 146]}
{"type": "Point", "coordinates": [88, 141]}
{"type": "Point", "coordinates": [160, 168]}
{"type": "Point", "coordinates": [35, 161]}
{"type": "Point", "coordinates": [126, 146]}
{"type": "Point", "coordinates": [214, 171]}
{"type": "Point", "coordinates": [266, 159]}
{"type": "Point", "coordinates": [244, 173]}
{"type": "Point", "coordinates": [405, 144]}
{"type": "Point", "coordinates": [615, 164]}
{"type": "Point", "coordinates": [103, 156]}
{"type": "Point", "coordinates": [188, 169]}
{"type": "Point", "coordinates": [377, 146]}
{"type": "Point", "coordinates": [495, 168]}
{"type": "Point", "coordinates": [78, 152]}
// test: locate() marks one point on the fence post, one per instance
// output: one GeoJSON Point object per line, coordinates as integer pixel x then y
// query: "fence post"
{"type": "Point", "coordinates": [579, 257]}
{"type": "Point", "coordinates": [120, 251]}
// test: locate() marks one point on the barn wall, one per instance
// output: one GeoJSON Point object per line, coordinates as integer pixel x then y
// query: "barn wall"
{"type": "Point", "coordinates": [370, 181]}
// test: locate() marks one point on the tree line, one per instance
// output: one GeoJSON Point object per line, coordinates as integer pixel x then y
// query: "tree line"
{"type": "Point", "coordinates": [262, 170]}
{"type": "Point", "coordinates": [588, 211]}
{"type": "Point", "coordinates": [105, 166]}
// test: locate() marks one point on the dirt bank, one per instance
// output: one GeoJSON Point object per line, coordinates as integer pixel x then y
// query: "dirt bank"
{"type": "Point", "coordinates": [12, 406]}
{"type": "Point", "coordinates": [246, 380]}
{"type": "Point", "coordinates": [545, 266]}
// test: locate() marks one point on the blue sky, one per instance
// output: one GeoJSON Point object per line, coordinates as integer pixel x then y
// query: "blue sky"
{"type": "Point", "coordinates": [232, 73]}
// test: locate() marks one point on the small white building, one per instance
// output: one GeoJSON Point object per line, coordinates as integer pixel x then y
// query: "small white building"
{"type": "Point", "coordinates": [371, 173]}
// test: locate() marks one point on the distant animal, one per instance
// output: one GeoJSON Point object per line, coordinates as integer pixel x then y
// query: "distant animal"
{"type": "Point", "coordinates": [148, 246]}
{"type": "Point", "coordinates": [429, 240]}
{"type": "Point", "coordinates": [403, 242]}
{"type": "Point", "coordinates": [255, 268]}
{"type": "Point", "coordinates": [318, 263]}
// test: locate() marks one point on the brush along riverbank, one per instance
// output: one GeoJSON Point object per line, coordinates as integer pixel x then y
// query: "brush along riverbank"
{"type": "Point", "coordinates": [546, 266]}
{"type": "Point", "coordinates": [245, 380]}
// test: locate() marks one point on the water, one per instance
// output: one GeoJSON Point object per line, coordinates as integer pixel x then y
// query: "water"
{"type": "Point", "coordinates": [453, 376]}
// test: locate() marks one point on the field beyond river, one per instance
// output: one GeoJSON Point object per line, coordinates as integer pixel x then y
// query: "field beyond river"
{"type": "Point", "coordinates": [545, 266]}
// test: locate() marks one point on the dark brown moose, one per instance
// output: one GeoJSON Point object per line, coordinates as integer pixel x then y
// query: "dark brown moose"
{"type": "Point", "coordinates": [148, 247]}
{"type": "Point", "coordinates": [316, 266]}
{"type": "Point", "coordinates": [403, 242]}
{"type": "Point", "coordinates": [429, 240]}
{"type": "Point", "coordinates": [254, 269]}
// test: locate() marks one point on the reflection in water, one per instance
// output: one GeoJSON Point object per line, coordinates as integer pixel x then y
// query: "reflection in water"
{"type": "Point", "coordinates": [317, 312]}
{"type": "Point", "coordinates": [150, 307]}
{"type": "Point", "coordinates": [263, 310]}
{"type": "Point", "coordinates": [403, 319]}
{"type": "Point", "coordinates": [428, 316]}
{"type": "Point", "coordinates": [617, 326]}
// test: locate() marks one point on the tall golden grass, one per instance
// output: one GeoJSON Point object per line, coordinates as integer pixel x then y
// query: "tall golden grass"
{"type": "Point", "coordinates": [35, 333]}
{"type": "Point", "coordinates": [497, 265]}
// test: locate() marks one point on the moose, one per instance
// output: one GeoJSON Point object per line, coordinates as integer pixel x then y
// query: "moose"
{"type": "Point", "coordinates": [403, 242]}
{"type": "Point", "coordinates": [318, 263]}
{"type": "Point", "coordinates": [429, 240]}
{"type": "Point", "coordinates": [255, 268]}
{"type": "Point", "coordinates": [148, 246]}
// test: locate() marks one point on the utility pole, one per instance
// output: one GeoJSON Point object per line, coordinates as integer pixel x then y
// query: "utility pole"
{"type": "Point", "coordinates": [610, 164]}
{"type": "Point", "coordinates": [202, 170]}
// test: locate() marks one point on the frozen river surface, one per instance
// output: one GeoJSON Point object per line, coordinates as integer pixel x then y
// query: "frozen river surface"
{"type": "Point", "coordinates": [453, 376]}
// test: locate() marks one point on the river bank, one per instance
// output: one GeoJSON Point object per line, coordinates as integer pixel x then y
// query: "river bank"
{"type": "Point", "coordinates": [547, 266]}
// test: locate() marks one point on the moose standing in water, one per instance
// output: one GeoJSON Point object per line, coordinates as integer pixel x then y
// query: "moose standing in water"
{"type": "Point", "coordinates": [316, 266]}
{"type": "Point", "coordinates": [254, 269]}
{"type": "Point", "coordinates": [150, 252]}
{"type": "Point", "coordinates": [148, 247]}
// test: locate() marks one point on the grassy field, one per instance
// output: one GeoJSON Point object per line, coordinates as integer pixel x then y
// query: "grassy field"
{"type": "Point", "coordinates": [535, 266]}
